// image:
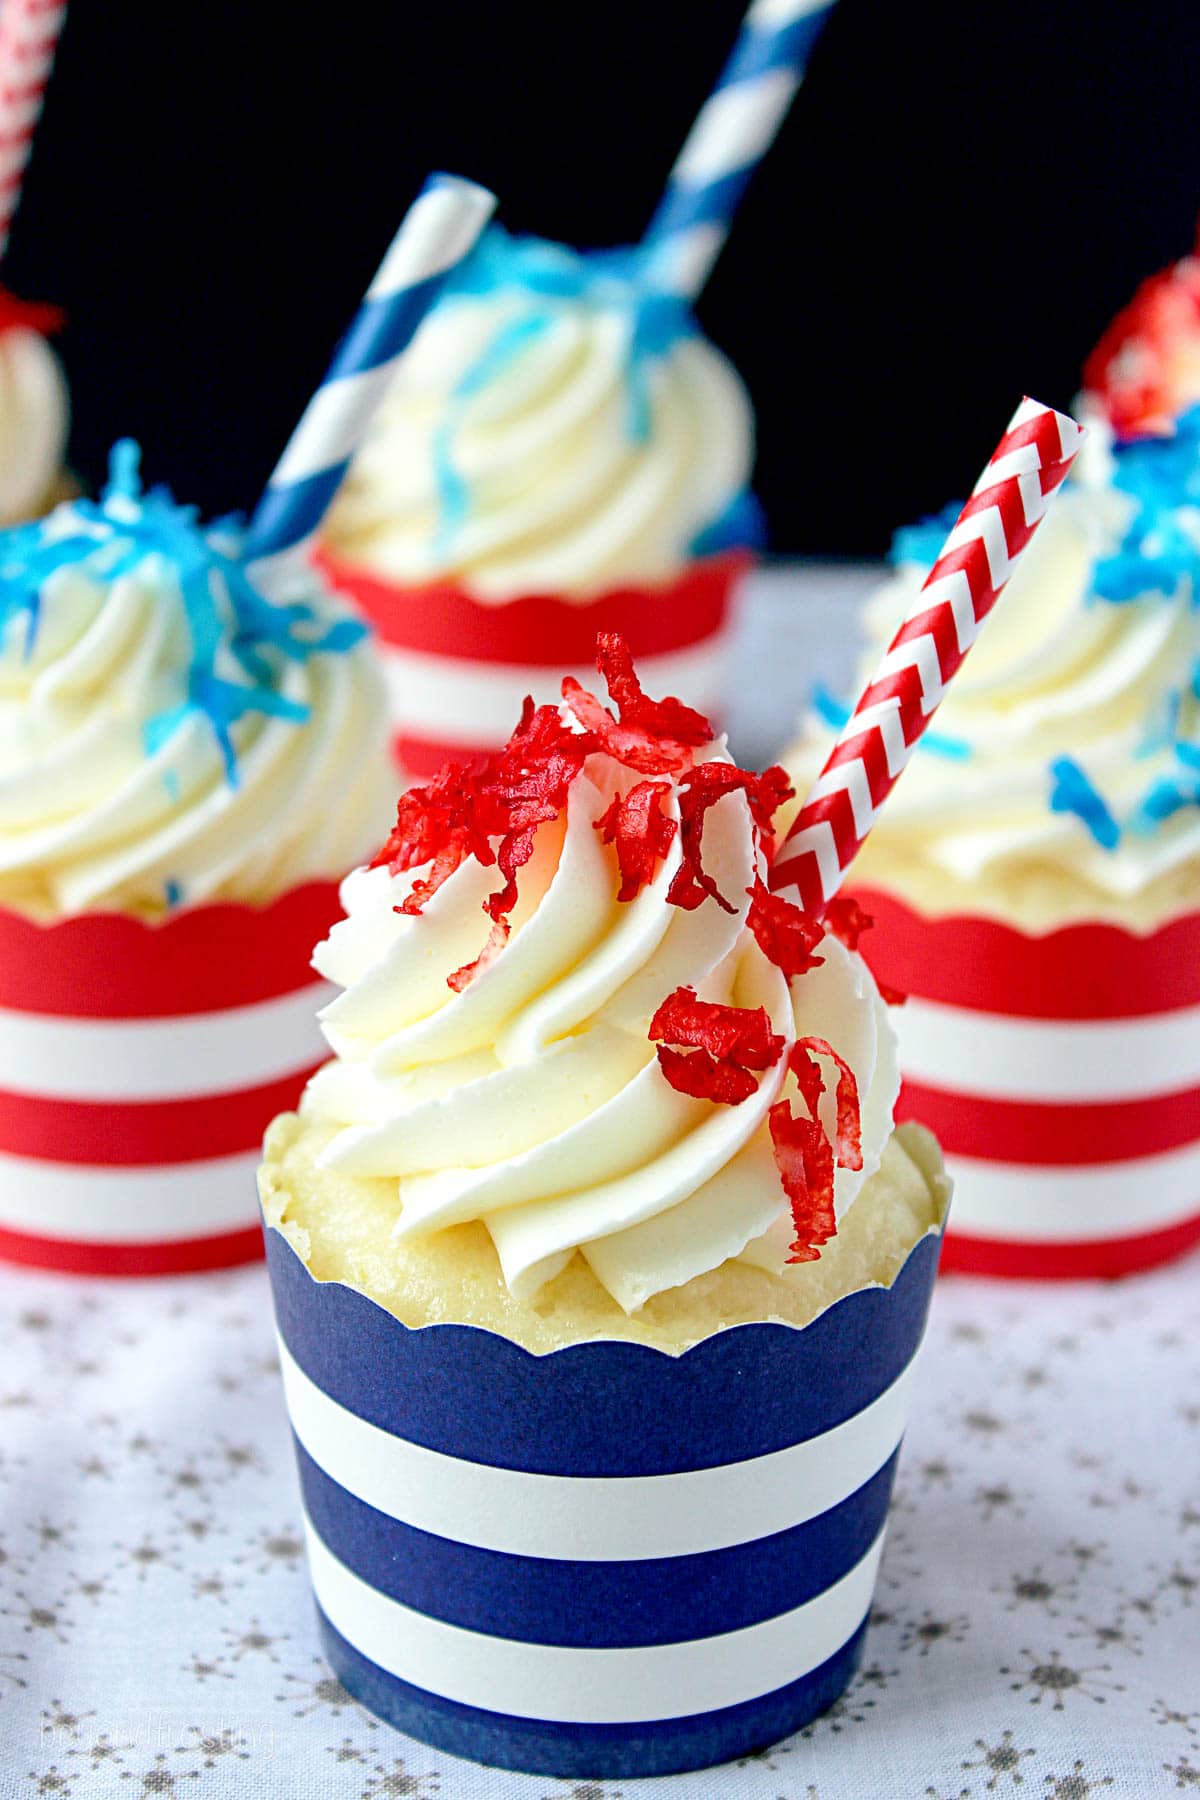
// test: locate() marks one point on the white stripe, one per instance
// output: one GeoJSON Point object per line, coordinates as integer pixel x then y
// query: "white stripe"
{"type": "Point", "coordinates": [331, 427]}
{"type": "Point", "coordinates": [580, 1519]}
{"type": "Point", "coordinates": [952, 590]}
{"type": "Point", "coordinates": [771, 15]}
{"type": "Point", "coordinates": [453, 700]}
{"type": "Point", "coordinates": [439, 228]}
{"type": "Point", "coordinates": [162, 1059]}
{"type": "Point", "coordinates": [128, 1205]}
{"type": "Point", "coordinates": [583, 1686]}
{"type": "Point", "coordinates": [988, 527]}
{"type": "Point", "coordinates": [817, 839]}
{"type": "Point", "coordinates": [735, 127]}
{"type": "Point", "coordinates": [882, 717]}
{"type": "Point", "coordinates": [681, 261]}
{"type": "Point", "coordinates": [1074, 1205]}
{"type": "Point", "coordinates": [919, 653]}
{"type": "Point", "coordinates": [1001, 1058]}
{"type": "Point", "coordinates": [849, 778]}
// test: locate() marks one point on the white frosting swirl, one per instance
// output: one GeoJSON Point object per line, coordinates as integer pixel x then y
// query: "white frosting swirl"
{"type": "Point", "coordinates": [94, 814]}
{"type": "Point", "coordinates": [560, 492]}
{"type": "Point", "coordinates": [1058, 672]}
{"type": "Point", "coordinates": [534, 1101]}
{"type": "Point", "coordinates": [34, 414]}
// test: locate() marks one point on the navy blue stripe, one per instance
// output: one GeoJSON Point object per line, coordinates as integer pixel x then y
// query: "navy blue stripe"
{"type": "Point", "coordinates": [382, 328]}
{"type": "Point", "coordinates": [758, 52]}
{"type": "Point", "coordinates": [665, 1600]}
{"type": "Point", "coordinates": [602, 1408]}
{"type": "Point", "coordinates": [596, 1752]}
{"type": "Point", "coordinates": [287, 515]}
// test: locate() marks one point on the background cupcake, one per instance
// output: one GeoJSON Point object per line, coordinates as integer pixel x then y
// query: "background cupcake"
{"type": "Point", "coordinates": [185, 770]}
{"type": "Point", "coordinates": [1037, 881]}
{"type": "Point", "coordinates": [562, 452]}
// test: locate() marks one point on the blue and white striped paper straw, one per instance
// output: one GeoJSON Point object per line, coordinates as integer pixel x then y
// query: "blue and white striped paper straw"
{"type": "Point", "coordinates": [734, 130]}
{"type": "Point", "coordinates": [439, 230]}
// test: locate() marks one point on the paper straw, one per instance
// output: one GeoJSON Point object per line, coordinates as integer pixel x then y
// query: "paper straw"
{"type": "Point", "coordinates": [735, 128]}
{"type": "Point", "coordinates": [1010, 500]}
{"type": "Point", "coordinates": [28, 34]}
{"type": "Point", "coordinates": [439, 230]}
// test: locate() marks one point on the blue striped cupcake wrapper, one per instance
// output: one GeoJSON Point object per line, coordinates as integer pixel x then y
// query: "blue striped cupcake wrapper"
{"type": "Point", "coordinates": [604, 1562]}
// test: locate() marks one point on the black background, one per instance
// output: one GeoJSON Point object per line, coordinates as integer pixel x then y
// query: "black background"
{"type": "Point", "coordinates": [961, 197]}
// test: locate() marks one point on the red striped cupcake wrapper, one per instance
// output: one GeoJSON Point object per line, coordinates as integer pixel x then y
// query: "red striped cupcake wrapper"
{"type": "Point", "coordinates": [1061, 1074]}
{"type": "Point", "coordinates": [140, 1065]}
{"type": "Point", "coordinates": [457, 670]}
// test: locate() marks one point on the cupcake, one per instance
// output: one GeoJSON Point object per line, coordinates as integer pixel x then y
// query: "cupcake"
{"type": "Point", "coordinates": [1037, 881]}
{"type": "Point", "coordinates": [186, 769]}
{"type": "Point", "coordinates": [34, 413]}
{"type": "Point", "coordinates": [598, 1265]}
{"type": "Point", "coordinates": [561, 453]}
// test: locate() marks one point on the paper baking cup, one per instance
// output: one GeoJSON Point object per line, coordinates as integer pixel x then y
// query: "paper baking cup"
{"type": "Point", "coordinates": [1061, 1074]}
{"type": "Point", "coordinates": [457, 670]}
{"type": "Point", "coordinates": [604, 1561]}
{"type": "Point", "coordinates": [140, 1065]}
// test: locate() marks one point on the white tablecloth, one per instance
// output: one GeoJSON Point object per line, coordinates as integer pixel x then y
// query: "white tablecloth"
{"type": "Point", "coordinates": [1037, 1630]}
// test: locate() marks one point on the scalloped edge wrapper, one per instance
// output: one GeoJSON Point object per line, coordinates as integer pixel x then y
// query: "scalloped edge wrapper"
{"type": "Point", "coordinates": [604, 1561]}
{"type": "Point", "coordinates": [140, 1063]}
{"type": "Point", "coordinates": [1061, 1074]}
{"type": "Point", "coordinates": [458, 668]}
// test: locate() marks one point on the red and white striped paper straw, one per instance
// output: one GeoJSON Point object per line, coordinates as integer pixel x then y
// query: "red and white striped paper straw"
{"type": "Point", "coordinates": [1010, 500]}
{"type": "Point", "coordinates": [28, 34]}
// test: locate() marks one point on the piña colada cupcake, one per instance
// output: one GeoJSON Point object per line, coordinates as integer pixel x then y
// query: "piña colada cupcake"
{"type": "Point", "coordinates": [599, 1267]}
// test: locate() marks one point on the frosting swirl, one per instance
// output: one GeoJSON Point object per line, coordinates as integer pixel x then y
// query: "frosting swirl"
{"type": "Point", "coordinates": [1071, 736]}
{"type": "Point", "coordinates": [556, 427]}
{"type": "Point", "coordinates": [167, 735]}
{"type": "Point", "coordinates": [34, 413]}
{"type": "Point", "coordinates": [530, 1097]}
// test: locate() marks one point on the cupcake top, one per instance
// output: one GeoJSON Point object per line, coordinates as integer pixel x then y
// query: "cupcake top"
{"type": "Point", "coordinates": [168, 734]}
{"type": "Point", "coordinates": [557, 427]}
{"type": "Point", "coordinates": [1070, 740]}
{"type": "Point", "coordinates": [34, 410]}
{"type": "Point", "coordinates": [572, 1011]}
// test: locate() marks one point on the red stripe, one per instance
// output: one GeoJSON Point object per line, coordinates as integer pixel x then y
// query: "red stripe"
{"type": "Point", "coordinates": [201, 959]}
{"type": "Point", "coordinates": [188, 1256]}
{"type": "Point", "coordinates": [1079, 972]}
{"type": "Point", "coordinates": [1060, 1134]}
{"type": "Point", "coordinates": [141, 1133]}
{"type": "Point", "coordinates": [540, 629]}
{"type": "Point", "coordinates": [1106, 1259]}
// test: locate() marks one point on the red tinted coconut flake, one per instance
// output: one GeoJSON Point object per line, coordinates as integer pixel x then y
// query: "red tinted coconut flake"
{"type": "Point", "coordinates": [726, 1042]}
{"type": "Point", "coordinates": [700, 1076]}
{"type": "Point", "coordinates": [655, 737]}
{"type": "Point", "coordinates": [785, 935]}
{"type": "Point", "coordinates": [803, 1065]}
{"type": "Point", "coordinates": [469, 805]}
{"type": "Point", "coordinates": [497, 938]}
{"type": "Point", "coordinates": [846, 920]}
{"type": "Point", "coordinates": [636, 825]}
{"type": "Point", "coordinates": [804, 1158]}
{"type": "Point", "coordinates": [668, 718]}
{"type": "Point", "coordinates": [436, 824]}
{"type": "Point", "coordinates": [699, 789]}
